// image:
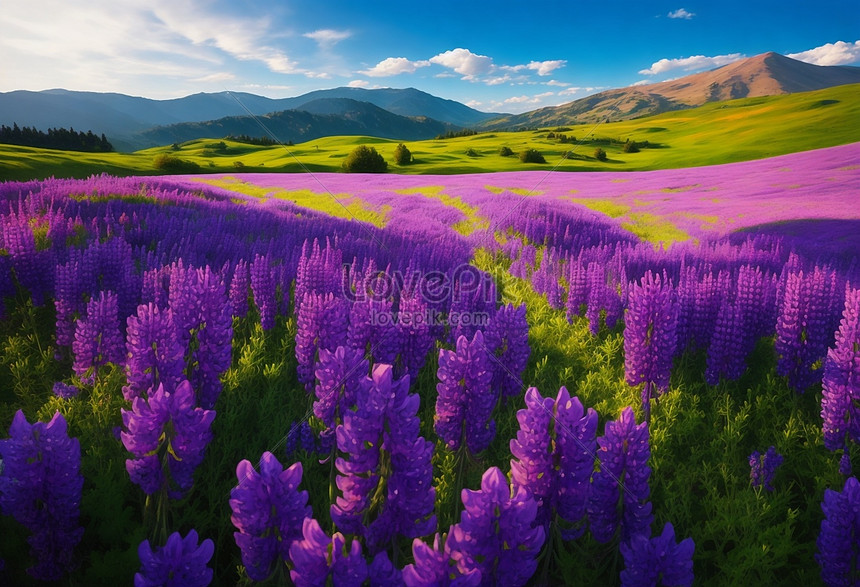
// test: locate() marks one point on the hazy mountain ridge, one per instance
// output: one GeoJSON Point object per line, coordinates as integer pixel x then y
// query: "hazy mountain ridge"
{"type": "Point", "coordinates": [767, 74]}
{"type": "Point", "coordinates": [314, 119]}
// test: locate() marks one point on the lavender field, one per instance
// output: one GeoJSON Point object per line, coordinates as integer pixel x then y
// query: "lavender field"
{"type": "Point", "coordinates": [513, 378]}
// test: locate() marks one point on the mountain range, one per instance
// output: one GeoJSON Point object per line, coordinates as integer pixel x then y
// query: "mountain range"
{"type": "Point", "coordinates": [407, 114]}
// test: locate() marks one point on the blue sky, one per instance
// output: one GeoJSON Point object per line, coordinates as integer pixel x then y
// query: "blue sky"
{"type": "Point", "coordinates": [499, 56]}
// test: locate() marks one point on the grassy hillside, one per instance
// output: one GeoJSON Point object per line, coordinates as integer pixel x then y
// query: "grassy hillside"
{"type": "Point", "coordinates": [720, 132]}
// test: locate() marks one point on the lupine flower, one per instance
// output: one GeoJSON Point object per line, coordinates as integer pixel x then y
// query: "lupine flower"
{"type": "Point", "coordinates": [320, 271]}
{"type": "Point", "coordinates": [650, 336]}
{"type": "Point", "coordinates": [434, 567]}
{"type": "Point", "coordinates": [726, 353]}
{"type": "Point", "coordinates": [64, 390]}
{"type": "Point", "coordinates": [41, 486]}
{"type": "Point", "coordinates": [180, 562]}
{"type": "Point", "coordinates": [382, 573]}
{"type": "Point", "coordinates": [268, 511]}
{"type": "Point", "coordinates": [318, 557]}
{"type": "Point", "coordinates": [385, 428]}
{"type": "Point", "coordinates": [321, 323]}
{"type": "Point", "coordinates": [465, 400]}
{"type": "Point", "coordinates": [555, 453]}
{"type": "Point", "coordinates": [495, 534]}
{"type": "Point", "coordinates": [155, 356]}
{"type": "Point", "coordinates": [263, 285]}
{"type": "Point", "coordinates": [507, 340]}
{"type": "Point", "coordinates": [841, 383]}
{"type": "Point", "coordinates": [149, 438]}
{"type": "Point", "coordinates": [763, 467]}
{"type": "Point", "coordinates": [837, 540]}
{"type": "Point", "coordinates": [577, 289]}
{"type": "Point", "coordinates": [414, 334]}
{"type": "Point", "coordinates": [622, 481]}
{"type": "Point", "coordinates": [658, 561]}
{"type": "Point", "coordinates": [338, 373]}
{"type": "Point", "coordinates": [239, 289]}
{"type": "Point", "coordinates": [98, 340]}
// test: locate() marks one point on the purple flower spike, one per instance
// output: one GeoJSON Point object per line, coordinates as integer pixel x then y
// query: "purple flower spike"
{"type": "Point", "coordinates": [763, 468]}
{"type": "Point", "coordinates": [621, 484]}
{"type": "Point", "coordinates": [837, 541]}
{"type": "Point", "coordinates": [465, 399]}
{"type": "Point", "coordinates": [658, 561]}
{"type": "Point", "coordinates": [181, 562]}
{"type": "Point", "coordinates": [338, 374]}
{"type": "Point", "coordinates": [495, 534]}
{"type": "Point", "coordinates": [64, 390]}
{"type": "Point", "coordinates": [40, 486]}
{"type": "Point", "coordinates": [841, 387]}
{"type": "Point", "coordinates": [507, 339]}
{"type": "Point", "coordinates": [97, 337]}
{"type": "Point", "coordinates": [268, 510]}
{"type": "Point", "coordinates": [433, 567]}
{"type": "Point", "coordinates": [155, 356]}
{"type": "Point", "coordinates": [316, 557]}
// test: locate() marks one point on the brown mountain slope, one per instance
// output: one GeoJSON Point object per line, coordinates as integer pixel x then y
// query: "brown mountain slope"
{"type": "Point", "coordinates": [767, 74]}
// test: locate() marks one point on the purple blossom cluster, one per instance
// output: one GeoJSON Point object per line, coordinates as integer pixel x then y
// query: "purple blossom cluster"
{"type": "Point", "coordinates": [154, 354]}
{"type": "Point", "coordinates": [268, 512]}
{"type": "Point", "coordinates": [98, 339]}
{"type": "Point", "coordinates": [182, 561]}
{"type": "Point", "coordinates": [465, 399]}
{"type": "Point", "coordinates": [838, 545]}
{"type": "Point", "coordinates": [841, 381]}
{"type": "Point", "coordinates": [658, 560]}
{"type": "Point", "coordinates": [166, 433]}
{"type": "Point", "coordinates": [650, 336]}
{"type": "Point", "coordinates": [380, 446]}
{"type": "Point", "coordinates": [763, 467]}
{"type": "Point", "coordinates": [41, 487]}
{"type": "Point", "coordinates": [507, 340]}
{"type": "Point", "coordinates": [554, 454]}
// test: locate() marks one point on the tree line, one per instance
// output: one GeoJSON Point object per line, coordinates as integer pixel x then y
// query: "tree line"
{"type": "Point", "coordinates": [55, 138]}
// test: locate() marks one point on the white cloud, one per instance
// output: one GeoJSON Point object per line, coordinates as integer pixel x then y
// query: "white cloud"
{"type": "Point", "coordinates": [537, 99]}
{"type": "Point", "coordinates": [554, 82]}
{"type": "Point", "coordinates": [358, 83]}
{"type": "Point", "coordinates": [642, 82]}
{"type": "Point", "coordinates": [546, 67]}
{"type": "Point", "coordinates": [690, 63]}
{"type": "Point", "coordinates": [464, 62]}
{"type": "Point", "coordinates": [497, 81]}
{"type": "Point", "coordinates": [215, 77]}
{"type": "Point", "coordinates": [394, 66]}
{"type": "Point", "coordinates": [681, 13]}
{"type": "Point", "coordinates": [838, 53]}
{"type": "Point", "coordinates": [327, 38]}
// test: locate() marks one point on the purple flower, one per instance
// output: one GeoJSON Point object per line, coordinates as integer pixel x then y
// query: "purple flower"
{"type": "Point", "coordinates": [763, 468]}
{"type": "Point", "coordinates": [264, 289]}
{"type": "Point", "coordinates": [837, 540]}
{"type": "Point", "coordinates": [507, 340]}
{"type": "Point", "coordinates": [414, 333]}
{"type": "Point", "coordinates": [239, 284]}
{"type": "Point", "coordinates": [554, 451]}
{"type": "Point", "coordinates": [495, 534]}
{"type": "Point", "coordinates": [621, 484]}
{"type": "Point", "coordinates": [434, 567]}
{"type": "Point", "coordinates": [338, 373]}
{"type": "Point", "coordinates": [657, 561]}
{"type": "Point", "coordinates": [155, 356]}
{"type": "Point", "coordinates": [40, 486]}
{"type": "Point", "coordinates": [465, 400]}
{"type": "Point", "coordinates": [64, 390]}
{"type": "Point", "coordinates": [321, 323]}
{"type": "Point", "coordinates": [98, 340]}
{"type": "Point", "coordinates": [316, 558]}
{"type": "Point", "coordinates": [181, 562]}
{"type": "Point", "coordinates": [149, 438]}
{"type": "Point", "coordinates": [268, 511]}
{"type": "Point", "coordinates": [650, 336]}
{"type": "Point", "coordinates": [841, 384]}
{"type": "Point", "coordinates": [726, 353]}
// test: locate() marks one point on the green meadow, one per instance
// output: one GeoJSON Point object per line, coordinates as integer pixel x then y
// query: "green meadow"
{"type": "Point", "coordinates": [719, 132]}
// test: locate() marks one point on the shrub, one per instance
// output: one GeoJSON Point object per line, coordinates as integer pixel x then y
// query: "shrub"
{"type": "Point", "coordinates": [173, 164]}
{"type": "Point", "coordinates": [470, 152]}
{"type": "Point", "coordinates": [402, 155]}
{"type": "Point", "coordinates": [364, 159]}
{"type": "Point", "coordinates": [630, 147]}
{"type": "Point", "coordinates": [532, 156]}
{"type": "Point", "coordinates": [600, 154]}
{"type": "Point", "coordinates": [238, 165]}
{"type": "Point", "coordinates": [505, 152]}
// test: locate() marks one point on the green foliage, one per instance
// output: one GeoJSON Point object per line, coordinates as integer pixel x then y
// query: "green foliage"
{"type": "Point", "coordinates": [505, 151]}
{"type": "Point", "coordinates": [470, 152]}
{"type": "Point", "coordinates": [172, 164]}
{"type": "Point", "coordinates": [630, 147]}
{"type": "Point", "coordinates": [600, 154]}
{"type": "Point", "coordinates": [532, 156]}
{"type": "Point", "coordinates": [364, 159]}
{"type": "Point", "coordinates": [402, 155]}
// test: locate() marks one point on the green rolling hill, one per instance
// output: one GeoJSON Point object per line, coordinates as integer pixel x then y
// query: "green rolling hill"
{"type": "Point", "coordinates": [718, 132]}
